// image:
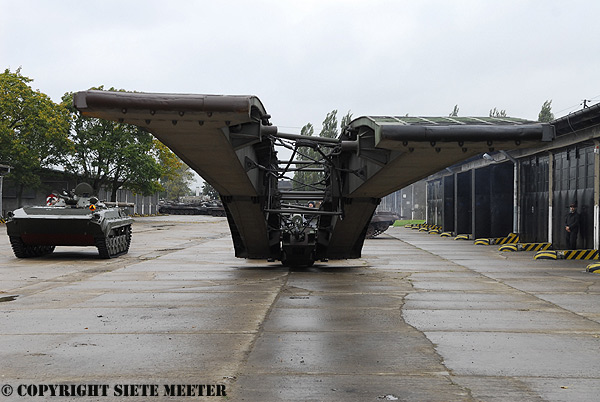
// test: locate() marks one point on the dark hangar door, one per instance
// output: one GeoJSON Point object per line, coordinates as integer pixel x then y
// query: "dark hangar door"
{"type": "Point", "coordinates": [573, 183]}
{"type": "Point", "coordinates": [463, 202]}
{"type": "Point", "coordinates": [502, 199]}
{"type": "Point", "coordinates": [534, 199]}
{"type": "Point", "coordinates": [482, 202]}
{"type": "Point", "coordinates": [448, 214]}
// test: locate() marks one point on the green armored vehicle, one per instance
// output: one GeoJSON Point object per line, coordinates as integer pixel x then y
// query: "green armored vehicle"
{"type": "Point", "coordinates": [70, 219]}
{"type": "Point", "coordinates": [380, 222]}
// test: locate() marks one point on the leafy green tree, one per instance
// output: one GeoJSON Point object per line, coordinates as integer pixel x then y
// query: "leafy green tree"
{"type": "Point", "coordinates": [454, 111]}
{"type": "Point", "coordinates": [306, 181]}
{"type": "Point", "coordinates": [176, 176]}
{"type": "Point", "coordinates": [546, 114]}
{"type": "Point", "coordinates": [346, 120]}
{"type": "Point", "coordinates": [497, 113]}
{"type": "Point", "coordinates": [33, 131]}
{"type": "Point", "coordinates": [113, 154]}
{"type": "Point", "coordinates": [210, 191]}
{"type": "Point", "coordinates": [330, 125]}
{"type": "Point", "coordinates": [304, 154]}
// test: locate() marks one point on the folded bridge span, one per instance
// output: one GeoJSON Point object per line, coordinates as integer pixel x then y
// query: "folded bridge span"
{"type": "Point", "coordinates": [230, 142]}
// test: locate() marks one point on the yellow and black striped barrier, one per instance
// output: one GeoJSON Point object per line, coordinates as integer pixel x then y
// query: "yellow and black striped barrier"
{"type": "Point", "coordinates": [509, 247]}
{"type": "Point", "coordinates": [568, 255]}
{"type": "Point", "coordinates": [446, 234]}
{"type": "Point", "coordinates": [594, 268]}
{"type": "Point", "coordinates": [510, 239]}
{"type": "Point", "coordinates": [423, 227]}
{"type": "Point", "coordinates": [462, 237]}
{"type": "Point", "coordinates": [2, 220]}
{"type": "Point", "coordinates": [426, 228]}
{"type": "Point", "coordinates": [535, 246]}
{"type": "Point", "coordinates": [580, 254]}
{"type": "Point", "coordinates": [546, 255]}
{"type": "Point", "coordinates": [526, 247]}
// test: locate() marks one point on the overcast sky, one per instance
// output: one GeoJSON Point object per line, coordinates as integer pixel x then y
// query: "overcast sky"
{"type": "Point", "coordinates": [306, 58]}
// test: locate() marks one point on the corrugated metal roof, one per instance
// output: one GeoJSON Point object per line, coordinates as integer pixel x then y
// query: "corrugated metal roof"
{"type": "Point", "coordinates": [452, 121]}
{"type": "Point", "coordinates": [579, 120]}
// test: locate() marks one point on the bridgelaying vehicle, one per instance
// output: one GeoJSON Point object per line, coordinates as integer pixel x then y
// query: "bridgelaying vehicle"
{"type": "Point", "coordinates": [231, 143]}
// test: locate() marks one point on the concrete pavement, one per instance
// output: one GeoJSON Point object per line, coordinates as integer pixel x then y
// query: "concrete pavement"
{"type": "Point", "coordinates": [418, 318]}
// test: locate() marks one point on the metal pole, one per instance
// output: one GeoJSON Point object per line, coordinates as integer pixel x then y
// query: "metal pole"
{"type": "Point", "coordinates": [473, 203]}
{"type": "Point", "coordinates": [412, 202]}
{"type": "Point", "coordinates": [402, 203]}
{"type": "Point", "coordinates": [456, 203]}
{"type": "Point", "coordinates": [427, 206]}
{"type": "Point", "coordinates": [596, 194]}
{"type": "Point", "coordinates": [515, 197]}
{"type": "Point", "coordinates": [550, 194]}
{"type": "Point", "coordinates": [1, 195]}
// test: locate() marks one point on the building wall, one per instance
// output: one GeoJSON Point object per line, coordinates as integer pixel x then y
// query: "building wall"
{"type": "Point", "coordinates": [435, 202]}
{"type": "Point", "coordinates": [573, 182]}
{"type": "Point", "coordinates": [409, 202]}
{"type": "Point", "coordinates": [549, 181]}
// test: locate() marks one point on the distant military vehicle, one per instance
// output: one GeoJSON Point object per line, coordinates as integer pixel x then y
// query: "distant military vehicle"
{"type": "Point", "coordinates": [230, 141]}
{"type": "Point", "coordinates": [380, 222]}
{"type": "Point", "coordinates": [215, 208]}
{"type": "Point", "coordinates": [76, 218]}
{"type": "Point", "coordinates": [180, 208]}
{"type": "Point", "coordinates": [211, 208]}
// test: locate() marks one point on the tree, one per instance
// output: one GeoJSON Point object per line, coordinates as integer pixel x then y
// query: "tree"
{"type": "Point", "coordinates": [33, 130]}
{"type": "Point", "coordinates": [306, 181]}
{"type": "Point", "coordinates": [546, 114]}
{"type": "Point", "coordinates": [330, 125]}
{"type": "Point", "coordinates": [454, 112]}
{"type": "Point", "coordinates": [113, 154]}
{"type": "Point", "coordinates": [210, 191]}
{"type": "Point", "coordinates": [497, 113]}
{"type": "Point", "coordinates": [176, 176]}
{"type": "Point", "coordinates": [304, 154]}
{"type": "Point", "coordinates": [346, 120]}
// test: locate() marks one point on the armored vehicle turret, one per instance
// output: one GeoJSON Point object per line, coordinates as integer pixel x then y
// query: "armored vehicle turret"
{"type": "Point", "coordinates": [75, 218]}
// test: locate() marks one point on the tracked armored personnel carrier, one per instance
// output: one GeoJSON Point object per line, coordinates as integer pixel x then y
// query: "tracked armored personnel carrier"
{"type": "Point", "coordinates": [70, 219]}
{"type": "Point", "coordinates": [380, 222]}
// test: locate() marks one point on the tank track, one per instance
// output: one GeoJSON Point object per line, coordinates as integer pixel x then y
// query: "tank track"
{"type": "Point", "coordinates": [375, 230]}
{"type": "Point", "coordinates": [116, 243]}
{"type": "Point", "coordinates": [23, 250]}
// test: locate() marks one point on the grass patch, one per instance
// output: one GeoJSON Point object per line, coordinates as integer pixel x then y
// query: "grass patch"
{"type": "Point", "coordinates": [406, 222]}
